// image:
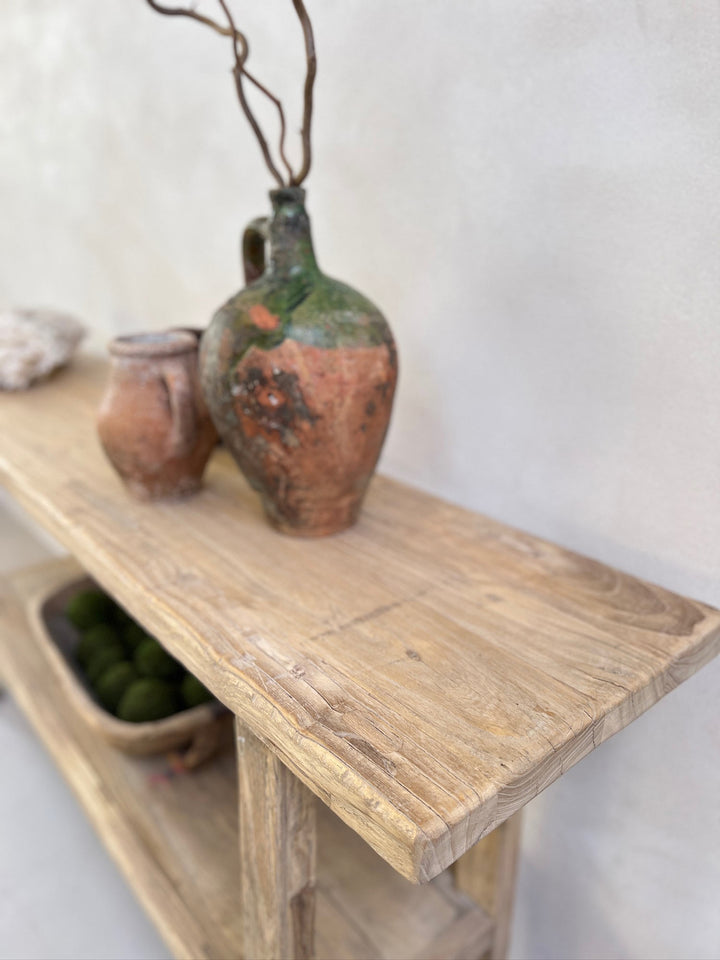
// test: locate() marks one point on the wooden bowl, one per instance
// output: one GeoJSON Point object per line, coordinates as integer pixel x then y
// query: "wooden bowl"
{"type": "Point", "coordinates": [202, 729]}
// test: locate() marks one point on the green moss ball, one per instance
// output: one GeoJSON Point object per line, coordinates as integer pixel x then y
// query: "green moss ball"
{"type": "Point", "coordinates": [89, 607]}
{"type": "Point", "coordinates": [96, 638]}
{"type": "Point", "coordinates": [152, 661]}
{"type": "Point", "coordinates": [120, 617]}
{"type": "Point", "coordinates": [100, 661]}
{"type": "Point", "coordinates": [193, 692]}
{"type": "Point", "coordinates": [114, 682]}
{"type": "Point", "coordinates": [148, 699]}
{"type": "Point", "coordinates": [133, 635]}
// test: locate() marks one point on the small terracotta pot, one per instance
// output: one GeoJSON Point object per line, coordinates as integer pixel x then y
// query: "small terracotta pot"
{"type": "Point", "coordinates": [196, 332]}
{"type": "Point", "coordinates": [153, 422]}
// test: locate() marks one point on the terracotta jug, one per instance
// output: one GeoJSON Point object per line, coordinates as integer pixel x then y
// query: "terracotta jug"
{"type": "Point", "coordinates": [153, 421]}
{"type": "Point", "coordinates": [299, 373]}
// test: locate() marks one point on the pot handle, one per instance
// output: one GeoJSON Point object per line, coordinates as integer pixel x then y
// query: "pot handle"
{"type": "Point", "coordinates": [254, 243]}
{"type": "Point", "coordinates": [183, 413]}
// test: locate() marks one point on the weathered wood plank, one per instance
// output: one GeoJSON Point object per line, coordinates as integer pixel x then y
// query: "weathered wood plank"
{"type": "Point", "coordinates": [425, 673]}
{"type": "Point", "coordinates": [277, 855]}
{"type": "Point", "coordinates": [486, 873]}
{"type": "Point", "coordinates": [175, 837]}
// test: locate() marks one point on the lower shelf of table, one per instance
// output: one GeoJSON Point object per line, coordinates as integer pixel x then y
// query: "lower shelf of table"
{"type": "Point", "coordinates": [174, 834]}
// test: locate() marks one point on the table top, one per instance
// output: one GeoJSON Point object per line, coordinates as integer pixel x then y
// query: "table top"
{"type": "Point", "coordinates": [425, 674]}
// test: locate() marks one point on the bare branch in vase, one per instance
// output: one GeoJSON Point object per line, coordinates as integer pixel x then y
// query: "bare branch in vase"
{"type": "Point", "coordinates": [240, 71]}
{"type": "Point", "coordinates": [308, 93]}
{"type": "Point", "coordinates": [241, 52]}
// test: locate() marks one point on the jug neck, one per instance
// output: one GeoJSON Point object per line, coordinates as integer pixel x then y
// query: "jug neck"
{"type": "Point", "coordinates": [291, 248]}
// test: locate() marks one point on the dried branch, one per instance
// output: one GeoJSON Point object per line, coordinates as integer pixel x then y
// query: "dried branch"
{"type": "Point", "coordinates": [241, 51]}
{"type": "Point", "coordinates": [281, 114]}
{"type": "Point", "coordinates": [193, 14]}
{"type": "Point", "coordinates": [308, 95]}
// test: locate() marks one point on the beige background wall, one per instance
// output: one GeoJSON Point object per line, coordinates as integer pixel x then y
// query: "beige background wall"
{"type": "Point", "coordinates": [531, 191]}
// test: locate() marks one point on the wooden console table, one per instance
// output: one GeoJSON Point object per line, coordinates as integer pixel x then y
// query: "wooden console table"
{"type": "Point", "coordinates": [424, 675]}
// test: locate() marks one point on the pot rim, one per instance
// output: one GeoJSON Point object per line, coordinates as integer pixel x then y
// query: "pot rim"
{"type": "Point", "coordinates": [161, 343]}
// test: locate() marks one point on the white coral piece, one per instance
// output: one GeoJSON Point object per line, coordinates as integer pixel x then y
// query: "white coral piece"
{"type": "Point", "coordinates": [33, 343]}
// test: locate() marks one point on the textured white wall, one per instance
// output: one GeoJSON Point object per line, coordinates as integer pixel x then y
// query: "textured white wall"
{"type": "Point", "coordinates": [531, 191]}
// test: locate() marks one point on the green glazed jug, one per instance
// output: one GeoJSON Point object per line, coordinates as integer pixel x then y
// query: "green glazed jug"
{"type": "Point", "coordinates": [299, 373]}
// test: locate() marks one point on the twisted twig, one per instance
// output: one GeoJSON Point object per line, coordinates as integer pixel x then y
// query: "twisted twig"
{"type": "Point", "coordinates": [308, 93]}
{"type": "Point", "coordinates": [281, 114]}
{"type": "Point", "coordinates": [241, 51]}
{"type": "Point", "coordinates": [193, 14]}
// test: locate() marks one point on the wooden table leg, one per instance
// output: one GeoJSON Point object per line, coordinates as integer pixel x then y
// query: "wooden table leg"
{"type": "Point", "coordinates": [486, 873]}
{"type": "Point", "coordinates": [277, 855]}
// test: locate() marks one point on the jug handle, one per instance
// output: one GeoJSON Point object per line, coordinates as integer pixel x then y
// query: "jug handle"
{"type": "Point", "coordinates": [183, 412]}
{"type": "Point", "coordinates": [254, 242]}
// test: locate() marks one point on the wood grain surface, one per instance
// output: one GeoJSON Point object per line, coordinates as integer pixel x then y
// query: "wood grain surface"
{"type": "Point", "coordinates": [487, 874]}
{"type": "Point", "coordinates": [278, 851]}
{"type": "Point", "coordinates": [425, 674]}
{"type": "Point", "coordinates": [175, 835]}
